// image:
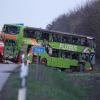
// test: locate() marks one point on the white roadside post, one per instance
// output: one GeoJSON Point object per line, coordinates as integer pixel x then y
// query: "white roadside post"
{"type": "Point", "coordinates": [23, 78]}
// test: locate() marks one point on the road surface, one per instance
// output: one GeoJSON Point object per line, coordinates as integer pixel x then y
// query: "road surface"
{"type": "Point", "coordinates": [3, 75]}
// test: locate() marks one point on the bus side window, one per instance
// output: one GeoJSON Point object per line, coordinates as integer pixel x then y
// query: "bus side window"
{"type": "Point", "coordinates": [86, 56]}
{"type": "Point", "coordinates": [65, 54]}
{"type": "Point", "coordinates": [50, 37]}
{"type": "Point", "coordinates": [55, 53]}
{"type": "Point", "coordinates": [84, 42]}
{"type": "Point", "coordinates": [57, 38]}
{"type": "Point", "coordinates": [54, 37]}
{"type": "Point", "coordinates": [38, 35]}
{"type": "Point", "coordinates": [13, 30]}
{"type": "Point", "coordinates": [33, 35]}
{"type": "Point", "coordinates": [26, 33]}
{"type": "Point", "coordinates": [75, 56]}
{"type": "Point", "coordinates": [65, 39]}
{"type": "Point", "coordinates": [79, 41]}
{"type": "Point", "coordinates": [76, 40]}
{"type": "Point", "coordinates": [45, 36]}
{"type": "Point", "coordinates": [91, 43]}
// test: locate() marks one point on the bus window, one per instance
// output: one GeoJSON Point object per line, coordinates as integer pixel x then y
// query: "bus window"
{"type": "Point", "coordinates": [91, 43]}
{"type": "Point", "coordinates": [65, 39]}
{"type": "Point", "coordinates": [50, 37]}
{"type": "Point", "coordinates": [11, 29]}
{"type": "Point", "coordinates": [13, 43]}
{"type": "Point", "coordinates": [55, 53]}
{"type": "Point", "coordinates": [84, 42]}
{"type": "Point", "coordinates": [75, 40]}
{"type": "Point", "coordinates": [62, 54]}
{"type": "Point", "coordinates": [32, 34]}
{"type": "Point", "coordinates": [38, 35]}
{"type": "Point", "coordinates": [45, 36]}
{"type": "Point", "coordinates": [41, 35]}
{"type": "Point", "coordinates": [29, 33]}
{"type": "Point", "coordinates": [69, 55]}
{"type": "Point", "coordinates": [85, 56]}
{"type": "Point", "coordinates": [75, 56]}
{"type": "Point", "coordinates": [57, 38]}
{"type": "Point", "coordinates": [65, 54]}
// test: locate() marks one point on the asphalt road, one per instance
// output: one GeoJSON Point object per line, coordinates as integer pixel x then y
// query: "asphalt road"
{"type": "Point", "coordinates": [4, 68]}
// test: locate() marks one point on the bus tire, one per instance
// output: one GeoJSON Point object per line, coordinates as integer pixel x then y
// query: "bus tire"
{"type": "Point", "coordinates": [43, 61]}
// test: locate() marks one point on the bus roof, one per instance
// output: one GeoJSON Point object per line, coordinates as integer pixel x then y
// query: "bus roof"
{"type": "Point", "coordinates": [52, 31]}
{"type": "Point", "coordinates": [59, 32]}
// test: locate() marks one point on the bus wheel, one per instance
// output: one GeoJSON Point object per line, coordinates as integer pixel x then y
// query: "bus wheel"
{"type": "Point", "coordinates": [44, 61]}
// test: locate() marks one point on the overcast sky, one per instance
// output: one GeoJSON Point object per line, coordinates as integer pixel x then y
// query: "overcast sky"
{"type": "Point", "coordinates": [36, 13]}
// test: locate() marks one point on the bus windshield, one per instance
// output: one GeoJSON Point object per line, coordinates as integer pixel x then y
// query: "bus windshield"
{"type": "Point", "coordinates": [9, 29]}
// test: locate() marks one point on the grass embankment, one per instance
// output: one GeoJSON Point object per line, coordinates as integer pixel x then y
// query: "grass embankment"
{"type": "Point", "coordinates": [45, 83]}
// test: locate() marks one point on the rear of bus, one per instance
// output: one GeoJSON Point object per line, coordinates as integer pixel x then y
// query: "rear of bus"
{"type": "Point", "coordinates": [12, 41]}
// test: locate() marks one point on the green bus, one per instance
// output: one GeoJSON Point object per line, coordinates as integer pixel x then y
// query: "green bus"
{"type": "Point", "coordinates": [12, 37]}
{"type": "Point", "coordinates": [62, 50]}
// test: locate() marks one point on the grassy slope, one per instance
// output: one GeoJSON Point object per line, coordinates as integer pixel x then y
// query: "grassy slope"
{"type": "Point", "coordinates": [49, 84]}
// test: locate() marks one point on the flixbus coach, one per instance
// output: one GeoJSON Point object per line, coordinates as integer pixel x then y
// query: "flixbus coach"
{"type": "Point", "coordinates": [12, 37]}
{"type": "Point", "coordinates": [62, 50]}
